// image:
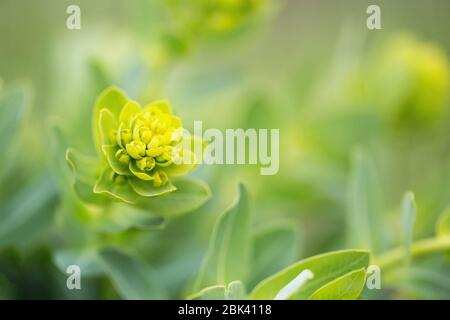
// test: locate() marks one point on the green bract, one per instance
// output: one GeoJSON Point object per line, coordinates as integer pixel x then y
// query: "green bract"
{"type": "Point", "coordinates": [142, 157]}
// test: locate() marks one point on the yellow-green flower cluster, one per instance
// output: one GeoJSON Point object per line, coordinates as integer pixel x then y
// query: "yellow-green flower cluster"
{"type": "Point", "coordinates": [144, 152]}
{"type": "Point", "coordinates": [226, 15]}
{"type": "Point", "coordinates": [415, 79]}
{"type": "Point", "coordinates": [142, 142]}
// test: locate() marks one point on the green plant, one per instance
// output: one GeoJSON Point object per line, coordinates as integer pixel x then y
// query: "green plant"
{"type": "Point", "coordinates": [136, 148]}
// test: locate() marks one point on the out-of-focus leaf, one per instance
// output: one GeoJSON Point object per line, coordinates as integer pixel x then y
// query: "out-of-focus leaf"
{"type": "Point", "coordinates": [364, 226]}
{"type": "Point", "coordinates": [195, 87]}
{"type": "Point", "coordinates": [325, 267]}
{"type": "Point", "coordinates": [421, 282]}
{"type": "Point", "coordinates": [274, 248]}
{"type": "Point", "coordinates": [99, 75]}
{"type": "Point", "coordinates": [132, 278]}
{"type": "Point", "coordinates": [443, 224]}
{"type": "Point", "coordinates": [87, 260]}
{"type": "Point", "coordinates": [234, 291]}
{"type": "Point", "coordinates": [408, 218]}
{"type": "Point", "coordinates": [120, 217]}
{"type": "Point", "coordinates": [28, 211]}
{"type": "Point", "coordinates": [85, 171]}
{"type": "Point", "coordinates": [228, 255]}
{"type": "Point", "coordinates": [84, 167]}
{"type": "Point", "coordinates": [57, 147]}
{"type": "Point", "coordinates": [12, 108]}
{"type": "Point", "coordinates": [346, 287]}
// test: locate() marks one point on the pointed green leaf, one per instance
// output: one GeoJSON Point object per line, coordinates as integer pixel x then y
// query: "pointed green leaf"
{"type": "Point", "coordinates": [346, 287]}
{"type": "Point", "coordinates": [364, 228]}
{"type": "Point", "coordinates": [229, 249]}
{"type": "Point", "coordinates": [325, 267]}
{"type": "Point", "coordinates": [408, 219]}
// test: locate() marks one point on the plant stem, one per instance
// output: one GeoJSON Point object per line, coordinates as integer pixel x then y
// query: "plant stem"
{"type": "Point", "coordinates": [418, 248]}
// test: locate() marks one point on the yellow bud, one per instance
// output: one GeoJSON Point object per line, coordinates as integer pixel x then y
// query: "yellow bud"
{"type": "Point", "coordinates": [155, 142]}
{"type": "Point", "coordinates": [146, 135]}
{"type": "Point", "coordinates": [161, 127]}
{"type": "Point", "coordinates": [122, 156]}
{"type": "Point", "coordinates": [167, 137]}
{"type": "Point", "coordinates": [125, 135]}
{"type": "Point", "coordinates": [146, 164]}
{"type": "Point", "coordinates": [136, 149]}
{"type": "Point", "coordinates": [154, 152]}
{"type": "Point", "coordinates": [160, 179]}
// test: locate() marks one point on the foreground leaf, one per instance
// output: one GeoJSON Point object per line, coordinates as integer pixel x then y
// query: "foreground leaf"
{"type": "Point", "coordinates": [346, 287]}
{"type": "Point", "coordinates": [325, 267]}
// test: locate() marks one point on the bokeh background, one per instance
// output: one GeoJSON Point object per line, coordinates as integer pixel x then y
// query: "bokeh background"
{"type": "Point", "coordinates": [343, 97]}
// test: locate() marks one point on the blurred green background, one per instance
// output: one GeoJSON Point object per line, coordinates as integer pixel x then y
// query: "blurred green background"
{"type": "Point", "coordinates": [343, 97]}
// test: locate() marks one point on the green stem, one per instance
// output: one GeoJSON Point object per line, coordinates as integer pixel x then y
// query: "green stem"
{"type": "Point", "coordinates": [418, 249]}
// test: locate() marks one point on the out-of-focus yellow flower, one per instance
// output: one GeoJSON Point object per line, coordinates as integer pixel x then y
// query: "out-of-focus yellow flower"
{"type": "Point", "coordinates": [414, 80]}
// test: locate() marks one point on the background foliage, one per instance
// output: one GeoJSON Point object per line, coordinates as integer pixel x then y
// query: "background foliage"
{"type": "Point", "coordinates": [364, 159]}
